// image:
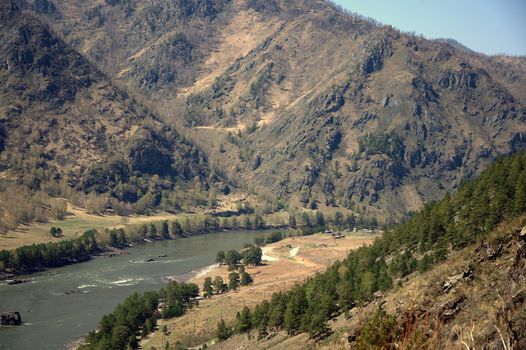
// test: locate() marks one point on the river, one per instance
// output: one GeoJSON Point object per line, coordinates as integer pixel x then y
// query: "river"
{"type": "Point", "coordinates": [52, 318]}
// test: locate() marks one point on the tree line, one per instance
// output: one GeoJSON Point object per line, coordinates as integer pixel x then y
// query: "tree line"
{"type": "Point", "coordinates": [250, 255]}
{"type": "Point", "coordinates": [138, 314]}
{"type": "Point", "coordinates": [53, 254]}
{"type": "Point", "coordinates": [498, 194]}
{"type": "Point", "coordinates": [218, 286]}
{"type": "Point", "coordinates": [56, 254]}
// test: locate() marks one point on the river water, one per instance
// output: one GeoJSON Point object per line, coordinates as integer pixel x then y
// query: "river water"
{"type": "Point", "coordinates": [52, 318]}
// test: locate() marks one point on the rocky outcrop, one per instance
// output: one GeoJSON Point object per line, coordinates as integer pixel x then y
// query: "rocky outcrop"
{"type": "Point", "coordinates": [460, 80]}
{"type": "Point", "coordinates": [11, 318]}
{"type": "Point", "coordinates": [453, 281]}
{"type": "Point", "coordinates": [376, 49]}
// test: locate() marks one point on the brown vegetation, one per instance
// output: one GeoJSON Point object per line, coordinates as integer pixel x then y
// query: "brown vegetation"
{"type": "Point", "coordinates": [315, 253]}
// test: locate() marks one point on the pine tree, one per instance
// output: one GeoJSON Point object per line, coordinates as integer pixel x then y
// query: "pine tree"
{"type": "Point", "coordinates": [244, 321]}
{"type": "Point", "coordinates": [222, 331]}
{"type": "Point", "coordinates": [425, 263]}
{"type": "Point", "coordinates": [164, 230]}
{"type": "Point", "coordinates": [132, 342]}
{"type": "Point", "coordinates": [220, 257]}
{"type": "Point", "coordinates": [176, 228]}
{"type": "Point", "coordinates": [233, 281]}
{"type": "Point", "coordinates": [232, 257]}
{"type": "Point", "coordinates": [384, 281]}
{"type": "Point", "coordinates": [320, 220]}
{"type": "Point", "coordinates": [246, 279]}
{"type": "Point", "coordinates": [296, 307]}
{"type": "Point", "coordinates": [153, 231]}
{"type": "Point", "coordinates": [306, 220]}
{"type": "Point", "coordinates": [276, 310]}
{"type": "Point", "coordinates": [519, 204]}
{"type": "Point", "coordinates": [219, 286]}
{"type": "Point", "coordinates": [292, 221]}
{"type": "Point", "coordinates": [259, 223]}
{"type": "Point", "coordinates": [207, 287]}
{"type": "Point", "coordinates": [318, 327]}
{"type": "Point", "coordinates": [338, 220]}
{"type": "Point", "coordinates": [248, 223]}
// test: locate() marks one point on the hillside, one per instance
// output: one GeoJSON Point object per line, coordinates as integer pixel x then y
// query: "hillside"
{"type": "Point", "coordinates": [471, 299]}
{"type": "Point", "coordinates": [452, 274]}
{"type": "Point", "coordinates": [302, 102]}
{"type": "Point", "coordinates": [67, 131]}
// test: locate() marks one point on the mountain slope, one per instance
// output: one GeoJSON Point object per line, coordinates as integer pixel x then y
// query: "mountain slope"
{"type": "Point", "coordinates": [306, 103]}
{"type": "Point", "coordinates": [63, 121]}
{"type": "Point", "coordinates": [473, 245]}
{"type": "Point", "coordinates": [472, 299]}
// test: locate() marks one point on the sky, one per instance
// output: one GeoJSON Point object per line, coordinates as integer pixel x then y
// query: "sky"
{"type": "Point", "coordinates": [487, 26]}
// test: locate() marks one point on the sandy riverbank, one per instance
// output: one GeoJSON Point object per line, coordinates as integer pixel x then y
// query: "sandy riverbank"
{"type": "Point", "coordinates": [285, 263]}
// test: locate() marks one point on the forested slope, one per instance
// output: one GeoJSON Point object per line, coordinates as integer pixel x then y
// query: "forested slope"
{"type": "Point", "coordinates": [434, 235]}
{"type": "Point", "coordinates": [67, 131]}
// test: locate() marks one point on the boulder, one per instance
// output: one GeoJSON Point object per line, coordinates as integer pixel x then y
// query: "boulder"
{"type": "Point", "coordinates": [450, 308]}
{"type": "Point", "coordinates": [378, 295]}
{"type": "Point", "coordinates": [11, 318]}
{"type": "Point", "coordinates": [452, 281]}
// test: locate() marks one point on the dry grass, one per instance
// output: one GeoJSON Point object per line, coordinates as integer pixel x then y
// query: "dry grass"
{"type": "Point", "coordinates": [199, 324]}
{"type": "Point", "coordinates": [482, 316]}
{"type": "Point", "coordinates": [74, 224]}
{"type": "Point", "coordinates": [243, 33]}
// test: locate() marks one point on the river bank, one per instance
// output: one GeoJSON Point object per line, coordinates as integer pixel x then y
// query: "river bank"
{"type": "Point", "coordinates": [285, 263]}
{"type": "Point", "coordinates": [110, 251]}
{"type": "Point", "coordinates": [53, 317]}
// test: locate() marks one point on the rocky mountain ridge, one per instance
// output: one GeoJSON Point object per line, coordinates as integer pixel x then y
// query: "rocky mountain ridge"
{"type": "Point", "coordinates": [304, 103]}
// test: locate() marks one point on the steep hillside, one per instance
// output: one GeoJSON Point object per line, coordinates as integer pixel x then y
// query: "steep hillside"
{"type": "Point", "coordinates": [453, 274]}
{"type": "Point", "coordinates": [306, 103]}
{"type": "Point", "coordinates": [376, 121]}
{"type": "Point", "coordinates": [474, 299]}
{"type": "Point", "coordinates": [63, 122]}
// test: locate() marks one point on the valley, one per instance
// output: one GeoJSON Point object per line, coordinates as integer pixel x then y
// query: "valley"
{"type": "Point", "coordinates": [363, 187]}
{"type": "Point", "coordinates": [62, 304]}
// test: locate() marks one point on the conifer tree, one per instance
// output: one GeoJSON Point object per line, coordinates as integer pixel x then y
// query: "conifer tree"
{"type": "Point", "coordinates": [223, 332]}
{"type": "Point", "coordinates": [244, 321]}
{"type": "Point", "coordinates": [207, 287]}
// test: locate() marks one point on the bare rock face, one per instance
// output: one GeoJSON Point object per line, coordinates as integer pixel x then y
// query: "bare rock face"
{"type": "Point", "coordinates": [11, 318]}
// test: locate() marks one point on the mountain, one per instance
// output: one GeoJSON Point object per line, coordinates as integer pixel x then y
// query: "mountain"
{"type": "Point", "coordinates": [304, 102]}
{"type": "Point", "coordinates": [62, 121]}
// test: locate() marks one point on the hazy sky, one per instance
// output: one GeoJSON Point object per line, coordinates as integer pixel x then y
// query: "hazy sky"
{"type": "Point", "coordinates": [488, 26]}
